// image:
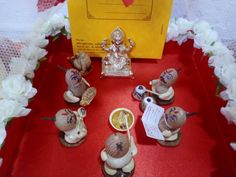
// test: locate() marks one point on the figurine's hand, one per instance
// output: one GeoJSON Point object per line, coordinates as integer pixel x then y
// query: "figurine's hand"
{"type": "Point", "coordinates": [103, 155]}
{"type": "Point", "coordinates": [104, 42]}
{"type": "Point", "coordinates": [166, 133]}
{"type": "Point", "coordinates": [132, 43]}
{"type": "Point", "coordinates": [133, 147]}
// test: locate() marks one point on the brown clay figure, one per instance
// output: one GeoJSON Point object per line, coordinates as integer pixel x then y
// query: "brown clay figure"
{"type": "Point", "coordinates": [82, 62]}
{"type": "Point", "coordinates": [71, 125]}
{"type": "Point", "coordinates": [164, 92]}
{"type": "Point", "coordinates": [118, 156]}
{"type": "Point", "coordinates": [170, 125]}
{"type": "Point", "coordinates": [77, 87]}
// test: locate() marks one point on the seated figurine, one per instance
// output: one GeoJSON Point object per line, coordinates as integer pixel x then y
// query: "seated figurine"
{"type": "Point", "coordinates": [77, 86]}
{"type": "Point", "coordinates": [171, 122]}
{"type": "Point", "coordinates": [163, 87]}
{"type": "Point", "coordinates": [118, 156]}
{"type": "Point", "coordinates": [117, 62]}
{"type": "Point", "coordinates": [82, 62]}
{"type": "Point", "coordinates": [71, 125]}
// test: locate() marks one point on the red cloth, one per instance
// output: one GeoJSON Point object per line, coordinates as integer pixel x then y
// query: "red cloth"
{"type": "Point", "coordinates": [32, 147]}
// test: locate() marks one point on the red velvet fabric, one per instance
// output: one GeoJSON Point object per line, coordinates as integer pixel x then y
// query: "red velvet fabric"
{"type": "Point", "coordinates": [32, 148]}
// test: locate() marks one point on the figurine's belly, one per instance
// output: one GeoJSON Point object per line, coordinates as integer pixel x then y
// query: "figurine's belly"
{"type": "Point", "coordinates": [119, 162]}
{"type": "Point", "coordinates": [75, 135]}
{"type": "Point", "coordinates": [78, 90]}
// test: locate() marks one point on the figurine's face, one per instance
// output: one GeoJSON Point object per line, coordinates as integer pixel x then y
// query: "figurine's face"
{"type": "Point", "coordinates": [65, 120]}
{"type": "Point", "coordinates": [73, 76]}
{"type": "Point", "coordinates": [117, 36]}
{"type": "Point", "coordinates": [168, 77]}
{"type": "Point", "coordinates": [175, 117]}
{"type": "Point", "coordinates": [117, 145]}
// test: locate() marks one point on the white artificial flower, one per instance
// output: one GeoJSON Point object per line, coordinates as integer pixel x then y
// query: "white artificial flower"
{"type": "Point", "coordinates": [201, 27]}
{"type": "Point", "coordinates": [184, 25]}
{"type": "Point", "coordinates": [11, 108]}
{"type": "Point", "coordinates": [57, 21]}
{"type": "Point", "coordinates": [16, 87]}
{"type": "Point", "coordinates": [22, 66]}
{"type": "Point", "coordinates": [229, 111]}
{"type": "Point", "coordinates": [33, 53]}
{"type": "Point", "coordinates": [181, 39]}
{"type": "Point", "coordinates": [53, 25]}
{"type": "Point", "coordinates": [205, 39]}
{"type": "Point", "coordinates": [230, 92]}
{"type": "Point", "coordinates": [217, 49]}
{"type": "Point", "coordinates": [46, 28]}
{"type": "Point", "coordinates": [36, 39]}
{"type": "Point", "coordinates": [179, 30]}
{"type": "Point", "coordinates": [226, 73]}
{"type": "Point", "coordinates": [172, 32]}
{"type": "Point", "coordinates": [221, 60]}
{"type": "Point", "coordinates": [3, 135]}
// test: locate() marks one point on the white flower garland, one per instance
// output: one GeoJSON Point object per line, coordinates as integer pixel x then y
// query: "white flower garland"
{"type": "Point", "coordinates": [221, 58]}
{"type": "Point", "coordinates": [16, 90]}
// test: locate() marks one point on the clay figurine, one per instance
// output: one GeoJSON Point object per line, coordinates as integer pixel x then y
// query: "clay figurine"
{"type": "Point", "coordinates": [82, 62]}
{"type": "Point", "coordinates": [171, 122]}
{"type": "Point", "coordinates": [77, 87]}
{"type": "Point", "coordinates": [117, 62]}
{"type": "Point", "coordinates": [118, 156]}
{"type": "Point", "coordinates": [71, 125]}
{"type": "Point", "coordinates": [163, 87]}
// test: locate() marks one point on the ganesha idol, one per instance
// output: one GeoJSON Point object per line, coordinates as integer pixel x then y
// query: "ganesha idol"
{"type": "Point", "coordinates": [117, 61]}
{"type": "Point", "coordinates": [164, 92]}
{"type": "Point", "coordinates": [71, 125]}
{"type": "Point", "coordinates": [170, 125]}
{"type": "Point", "coordinates": [79, 90]}
{"type": "Point", "coordinates": [118, 156]}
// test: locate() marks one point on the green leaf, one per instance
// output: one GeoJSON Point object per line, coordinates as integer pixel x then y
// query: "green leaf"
{"type": "Point", "coordinates": [65, 17]}
{"type": "Point", "coordinates": [56, 37]}
{"type": "Point", "coordinates": [213, 43]}
{"type": "Point", "coordinates": [8, 119]}
{"type": "Point", "coordinates": [210, 54]}
{"type": "Point", "coordinates": [219, 87]}
{"type": "Point", "coordinates": [37, 66]}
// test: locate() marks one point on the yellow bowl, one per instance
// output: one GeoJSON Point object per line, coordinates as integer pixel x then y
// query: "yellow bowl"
{"type": "Point", "coordinates": [117, 119]}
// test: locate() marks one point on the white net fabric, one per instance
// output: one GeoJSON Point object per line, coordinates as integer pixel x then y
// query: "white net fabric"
{"type": "Point", "coordinates": [18, 19]}
{"type": "Point", "coordinates": [45, 4]}
{"type": "Point", "coordinates": [8, 51]}
{"type": "Point", "coordinates": [218, 13]}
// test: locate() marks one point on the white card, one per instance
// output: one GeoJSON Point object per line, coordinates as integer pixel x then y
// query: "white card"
{"type": "Point", "coordinates": [150, 119]}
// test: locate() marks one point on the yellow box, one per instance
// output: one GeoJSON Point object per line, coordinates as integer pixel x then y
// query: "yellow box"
{"type": "Point", "coordinates": [145, 21]}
